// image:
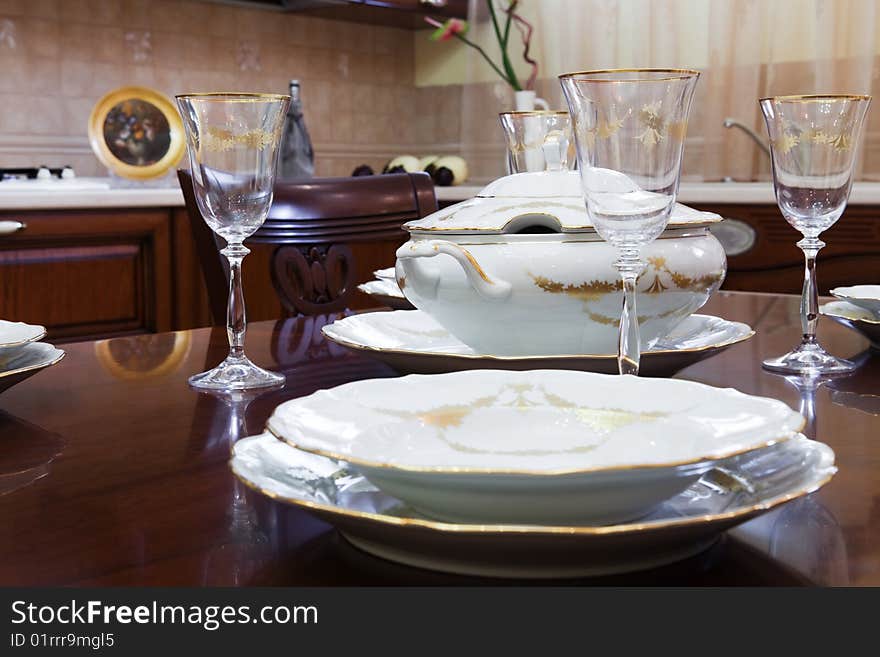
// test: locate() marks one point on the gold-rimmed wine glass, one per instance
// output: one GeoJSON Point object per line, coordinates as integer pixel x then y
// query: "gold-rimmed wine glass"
{"type": "Point", "coordinates": [629, 128]}
{"type": "Point", "coordinates": [813, 143]}
{"type": "Point", "coordinates": [233, 140]}
{"type": "Point", "coordinates": [538, 140]}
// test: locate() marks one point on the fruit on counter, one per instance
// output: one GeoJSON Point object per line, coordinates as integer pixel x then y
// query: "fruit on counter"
{"type": "Point", "coordinates": [426, 163]}
{"type": "Point", "coordinates": [445, 171]}
{"type": "Point", "coordinates": [402, 164]}
{"type": "Point", "coordinates": [449, 170]}
{"type": "Point", "coordinates": [363, 170]}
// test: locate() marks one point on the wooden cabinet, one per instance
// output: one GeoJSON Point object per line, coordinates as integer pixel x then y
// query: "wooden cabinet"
{"type": "Point", "coordinates": [88, 273]}
{"type": "Point", "coordinates": [773, 263]}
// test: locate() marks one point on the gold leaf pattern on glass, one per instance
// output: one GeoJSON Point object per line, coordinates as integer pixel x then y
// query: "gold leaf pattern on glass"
{"type": "Point", "coordinates": [654, 122]}
{"type": "Point", "coordinates": [786, 142]}
{"type": "Point", "coordinates": [609, 127]}
{"type": "Point", "coordinates": [222, 139]}
{"type": "Point", "coordinates": [841, 142]}
{"type": "Point", "coordinates": [819, 136]}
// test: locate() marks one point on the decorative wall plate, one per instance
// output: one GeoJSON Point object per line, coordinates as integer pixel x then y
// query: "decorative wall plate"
{"type": "Point", "coordinates": [136, 132]}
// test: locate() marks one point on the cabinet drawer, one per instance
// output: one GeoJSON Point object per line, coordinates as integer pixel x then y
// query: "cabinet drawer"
{"type": "Point", "coordinates": [88, 274]}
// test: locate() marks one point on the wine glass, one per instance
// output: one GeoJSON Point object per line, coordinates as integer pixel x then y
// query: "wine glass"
{"type": "Point", "coordinates": [629, 128]}
{"type": "Point", "coordinates": [813, 143]}
{"type": "Point", "coordinates": [538, 141]}
{"type": "Point", "coordinates": [233, 141]}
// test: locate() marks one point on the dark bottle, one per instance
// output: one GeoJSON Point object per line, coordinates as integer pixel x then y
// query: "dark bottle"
{"type": "Point", "coordinates": [297, 156]}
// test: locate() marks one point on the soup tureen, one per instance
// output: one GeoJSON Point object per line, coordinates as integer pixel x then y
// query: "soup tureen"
{"type": "Point", "coordinates": [519, 270]}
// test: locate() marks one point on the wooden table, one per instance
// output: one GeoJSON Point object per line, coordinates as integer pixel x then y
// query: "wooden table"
{"type": "Point", "coordinates": [114, 472]}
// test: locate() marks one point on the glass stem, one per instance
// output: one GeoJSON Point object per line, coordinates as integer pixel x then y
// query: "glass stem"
{"type": "Point", "coordinates": [810, 296]}
{"type": "Point", "coordinates": [236, 320]}
{"type": "Point", "coordinates": [628, 347]}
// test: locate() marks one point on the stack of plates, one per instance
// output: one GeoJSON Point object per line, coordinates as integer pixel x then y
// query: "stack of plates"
{"type": "Point", "coordinates": [543, 472]}
{"type": "Point", "coordinates": [858, 308]}
{"type": "Point", "coordinates": [21, 353]}
{"type": "Point", "coordinates": [385, 290]}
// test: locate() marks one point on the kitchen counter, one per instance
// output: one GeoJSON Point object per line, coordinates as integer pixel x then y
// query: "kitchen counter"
{"type": "Point", "coordinates": [92, 194]}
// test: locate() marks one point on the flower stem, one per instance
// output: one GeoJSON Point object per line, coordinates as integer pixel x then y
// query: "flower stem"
{"type": "Point", "coordinates": [502, 42]}
{"type": "Point", "coordinates": [486, 57]}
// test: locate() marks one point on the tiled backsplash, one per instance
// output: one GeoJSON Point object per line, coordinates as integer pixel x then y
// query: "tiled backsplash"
{"type": "Point", "coordinates": [58, 57]}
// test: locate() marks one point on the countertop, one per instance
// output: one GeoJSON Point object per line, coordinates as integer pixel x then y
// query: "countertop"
{"type": "Point", "coordinates": [86, 193]}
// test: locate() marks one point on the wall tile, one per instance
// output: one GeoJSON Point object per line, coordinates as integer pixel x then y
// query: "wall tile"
{"type": "Point", "coordinates": [357, 78]}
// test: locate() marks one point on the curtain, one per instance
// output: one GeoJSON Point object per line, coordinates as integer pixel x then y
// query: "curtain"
{"type": "Point", "coordinates": [746, 49]}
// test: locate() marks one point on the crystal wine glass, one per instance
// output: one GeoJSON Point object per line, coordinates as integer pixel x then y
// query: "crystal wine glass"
{"type": "Point", "coordinates": [629, 128]}
{"type": "Point", "coordinates": [233, 141]}
{"type": "Point", "coordinates": [813, 142]}
{"type": "Point", "coordinates": [538, 141]}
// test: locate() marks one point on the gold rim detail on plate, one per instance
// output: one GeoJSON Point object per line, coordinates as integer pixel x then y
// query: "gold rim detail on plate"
{"type": "Point", "coordinates": [22, 343]}
{"type": "Point", "coordinates": [461, 528]}
{"type": "Point", "coordinates": [158, 100]}
{"type": "Point", "coordinates": [39, 366]}
{"type": "Point", "coordinates": [831, 313]}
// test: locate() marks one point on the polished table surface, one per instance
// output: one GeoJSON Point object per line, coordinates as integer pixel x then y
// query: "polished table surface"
{"type": "Point", "coordinates": [114, 472]}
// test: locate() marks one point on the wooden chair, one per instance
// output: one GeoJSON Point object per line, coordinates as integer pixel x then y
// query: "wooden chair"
{"type": "Point", "coordinates": [312, 226]}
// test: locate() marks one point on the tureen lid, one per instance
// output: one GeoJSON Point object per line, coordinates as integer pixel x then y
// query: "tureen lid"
{"type": "Point", "coordinates": [550, 199]}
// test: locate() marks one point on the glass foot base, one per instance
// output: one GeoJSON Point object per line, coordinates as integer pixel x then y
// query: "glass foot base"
{"type": "Point", "coordinates": [235, 374]}
{"type": "Point", "coordinates": [810, 359]}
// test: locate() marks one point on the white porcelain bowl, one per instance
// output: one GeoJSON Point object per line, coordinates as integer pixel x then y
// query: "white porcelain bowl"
{"type": "Point", "coordinates": [541, 446]}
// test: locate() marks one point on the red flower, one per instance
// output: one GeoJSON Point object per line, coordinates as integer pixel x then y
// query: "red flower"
{"type": "Point", "coordinates": [445, 31]}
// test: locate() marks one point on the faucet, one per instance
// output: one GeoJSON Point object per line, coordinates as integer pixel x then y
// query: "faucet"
{"type": "Point", "coordinates": [733, 123]}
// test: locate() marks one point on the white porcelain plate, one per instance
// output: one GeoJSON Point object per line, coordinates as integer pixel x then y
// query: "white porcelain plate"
{"type": "Point", "coordinates": [412, 342]}
{"type": "Point", "coordinates": [387, 293]}
{"type": "Point", "coordinates": [863, 296]}
{"type": "Point", "coordinates": [27, 361]}
{"type": "Point", "coordinates": [538, 447]}
{"type": "Point", "coordinates": [387, 274]}
{"type": "Point", "coordinates": [747, 486]}
{"type": "Point", "coordinates": [857, 318]}
{"type": "Point", "coordinates": [14, 335]}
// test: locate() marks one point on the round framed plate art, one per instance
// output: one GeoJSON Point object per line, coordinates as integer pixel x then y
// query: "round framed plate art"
{"type": "Point", "coordinates": [136, 132]}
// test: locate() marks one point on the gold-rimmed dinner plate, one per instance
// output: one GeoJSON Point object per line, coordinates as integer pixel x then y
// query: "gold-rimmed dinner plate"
{"type": "Point", "coordinates": [26, 362]}
{"type": "Point", "coordinates": [413, 343]}
{"type": "Point", "coordinates": [15, 335]}
{"type": "Point", "coordinates": [858, 319]}
{"type": "Point", "coordinates": [136, 132]}
{"type": "Point", "coordinates": [386, 293]}
{"type": "Point", "coordinates": [744, 488]}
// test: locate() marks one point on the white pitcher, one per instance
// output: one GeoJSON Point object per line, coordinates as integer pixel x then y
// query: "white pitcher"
{"type": "Point", "coordinates": [526, 101]}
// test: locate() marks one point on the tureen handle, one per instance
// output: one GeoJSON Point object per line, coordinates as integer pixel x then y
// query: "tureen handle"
{"type": "Point", "coordinates": [486, 285]}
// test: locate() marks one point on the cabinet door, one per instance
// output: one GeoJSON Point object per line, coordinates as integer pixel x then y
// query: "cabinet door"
{"type": "Point", "coordinates": [771, 261]}
{"type": "Point", "coordinates": [87, 274]}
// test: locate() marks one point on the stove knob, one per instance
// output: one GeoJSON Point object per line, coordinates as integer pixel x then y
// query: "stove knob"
{"type": "Point", "coordinates": [67, 173]}
{"type": "Point", "coordinates": [43, 173]}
